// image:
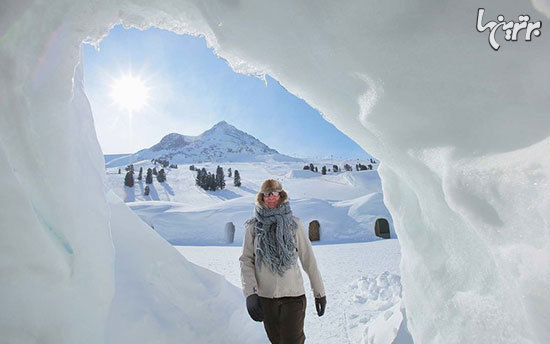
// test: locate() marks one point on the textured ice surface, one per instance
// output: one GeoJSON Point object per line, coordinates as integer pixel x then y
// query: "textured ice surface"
{"type": "Point", "coordinates": [462, 131]}
{"type": "Point", "coordinates": [162, 298]}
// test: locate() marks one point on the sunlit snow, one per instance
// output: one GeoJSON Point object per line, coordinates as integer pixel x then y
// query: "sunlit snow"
{"type": "Point", "coordinates": [462, 131]}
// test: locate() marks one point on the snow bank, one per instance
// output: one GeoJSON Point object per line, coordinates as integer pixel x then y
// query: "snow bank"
{"type": "Point", "coordinates": [341, 222]}
{"type": "Point", "coordinates": [374, 300]}
{"type": "Point", "coordinates": [56, 252]}
{"type": "Point", "coordinates": [162, 298]}
{"type": "Point", "coordinates": [462, 131]}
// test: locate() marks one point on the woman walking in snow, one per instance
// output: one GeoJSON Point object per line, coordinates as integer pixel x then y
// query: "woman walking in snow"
{"type": "Point", "coordinates": [271, 278]}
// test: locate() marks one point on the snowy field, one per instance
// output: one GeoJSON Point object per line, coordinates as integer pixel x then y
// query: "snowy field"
{"type": "Point", "coordinates": [361, 280]}
{"type": "Point", "coordinates": [345, 203]}
{"type": "Point", "coordinates": [360, 271]}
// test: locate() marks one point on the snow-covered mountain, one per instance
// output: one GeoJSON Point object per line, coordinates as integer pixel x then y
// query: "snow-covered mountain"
{"type": "Point", "coordinates": [223, 142]}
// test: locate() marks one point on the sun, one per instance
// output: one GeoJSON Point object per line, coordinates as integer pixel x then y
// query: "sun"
{"type": "Point", "coordinates": [130, 92]}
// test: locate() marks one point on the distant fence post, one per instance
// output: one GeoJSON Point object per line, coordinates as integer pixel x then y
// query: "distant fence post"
{"type": "Point", "coordinates": [229, 232]}
{"type": "Point", "coordinates": [314, 231]}
{"type": "Point", "coordinates": [382, 228]}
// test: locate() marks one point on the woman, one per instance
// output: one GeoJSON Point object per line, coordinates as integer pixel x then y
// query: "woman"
{"type": "Point", "coordinates": [271, 278]}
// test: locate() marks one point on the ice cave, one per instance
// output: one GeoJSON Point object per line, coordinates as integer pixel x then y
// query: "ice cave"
{"type": "Point", "coordinates": [462, 130]}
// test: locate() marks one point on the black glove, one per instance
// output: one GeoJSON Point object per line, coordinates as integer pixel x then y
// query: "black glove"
{"type": "Point", "coordinates": [320, 303]}
{"type": "Point", "coordinates": [254, 308]}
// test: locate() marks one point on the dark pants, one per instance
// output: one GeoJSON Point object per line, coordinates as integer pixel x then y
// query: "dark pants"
{"type": "Point", "coordinates": [284, 319]}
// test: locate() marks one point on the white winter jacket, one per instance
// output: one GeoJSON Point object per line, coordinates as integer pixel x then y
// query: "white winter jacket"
{"type": "Point", "coordinates": [267, 284]}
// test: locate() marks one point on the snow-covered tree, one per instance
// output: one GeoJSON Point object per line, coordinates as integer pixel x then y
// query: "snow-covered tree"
{"type": "Point", "coordinates": [161, 176]}
{"type": "Point", "coordinates": [129, 179]}
{"type": "Point", "coordinates": [149, 176]}
{"type": "Point", "coordinates": [220, 178]}
{"type": "Point", "coordinates": [237, 178]}
{"type": "Point", "coordinates": [200, 180]}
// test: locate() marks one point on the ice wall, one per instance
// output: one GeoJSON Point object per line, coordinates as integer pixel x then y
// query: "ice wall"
{"type": "Point", "coordinates": [462, 132]}
{"type": "Point", "coordinates": [56, 253]}
{"type": "Point", "coordinates": [162, 298]}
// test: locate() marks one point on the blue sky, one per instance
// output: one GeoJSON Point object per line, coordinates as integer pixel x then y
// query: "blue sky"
{"type": "Point", "coordinates": [190, 90]}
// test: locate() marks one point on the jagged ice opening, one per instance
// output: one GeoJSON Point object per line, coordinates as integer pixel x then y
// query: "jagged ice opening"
{"type": "Point", "coordinates": [462, 131]}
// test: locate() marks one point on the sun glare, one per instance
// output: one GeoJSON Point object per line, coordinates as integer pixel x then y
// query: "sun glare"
{"type": "Point", "coordinates": [130, 92]}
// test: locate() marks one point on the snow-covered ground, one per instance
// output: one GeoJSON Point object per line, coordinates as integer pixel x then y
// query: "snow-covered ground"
{"type": "Point", "coordinates": [345, 203]}
{"type": "Point", "coordinates": [361, 280]}
{"type": "Point", "coordinates": [361, 277]}
{"type": "Point", "coordinates": [462, 130]}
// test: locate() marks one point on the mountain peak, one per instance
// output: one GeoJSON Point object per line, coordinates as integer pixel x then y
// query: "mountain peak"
{"type": "Point", "coordinates": [171, 141]}
{"type": "Point", "coordinates": [222, 142]}
{"type": "Point", "coordinates": [222, 123]}
{"type": "Point", "coordinates": [222, 128]}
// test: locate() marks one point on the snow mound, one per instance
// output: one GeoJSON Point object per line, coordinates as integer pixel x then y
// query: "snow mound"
{"type": "Point", "coordinates": [160, 296]}
{"type": "Point", "coordinates": [373, 297]}
{"type": "Point", "coordinates": [341, 222]}
{"type": "Point", "coordinates": [377, 293]}
{"type": "Point", "coordinates": [301, 174]}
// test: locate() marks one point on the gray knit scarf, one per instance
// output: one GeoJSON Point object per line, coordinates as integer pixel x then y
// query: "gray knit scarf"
{"type": "Point", "coordinates": [275, 229]}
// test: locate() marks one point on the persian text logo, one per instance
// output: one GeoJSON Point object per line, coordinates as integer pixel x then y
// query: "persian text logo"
{"type": "Point", "coordinates": [510, 28]}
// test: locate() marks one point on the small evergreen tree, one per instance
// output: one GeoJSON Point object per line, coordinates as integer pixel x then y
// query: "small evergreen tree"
{"type": "Point", "coordinates": [316, 170]}
{"type": "Point", "coordinates": [140, 175]}
{"type": "Point", "coordinates": [324, 170]}
{"type": "Point", "coordinates": [149, 176]}
{"type": "Point", "coordinates": [161, 176]}
{"type": "Point", "coordinates": [335, 168]}
{"type": "Point", "coordinates": [347, 167]}
{"type": "Point", "coordinates": [147, 190]}
{"type": "Point", "coordinates": [129, 179]}
{"type": "Point", "coordinates": [229, 172]}
{"type": "Point", "coordinates": [311, 167]}
{"type": "Point", "coordinates": [220, 178]}
{"type": "Point", "coordinates": [199, 179]}
{"type": "Point", "coordinates": [211, 182]}
{"type": "Point", "coordinates": [237, 178]}
{"type": "Point", "coordinates": [204, 179]}
{"type": "Point", "coordinates": [306, 167]}
{"type": "Point", "coordinates": [119, 171]}
{"type": "Point", "coordinates": [192, 167]}
{"type": "Point", "coordinates": [155, 171]}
